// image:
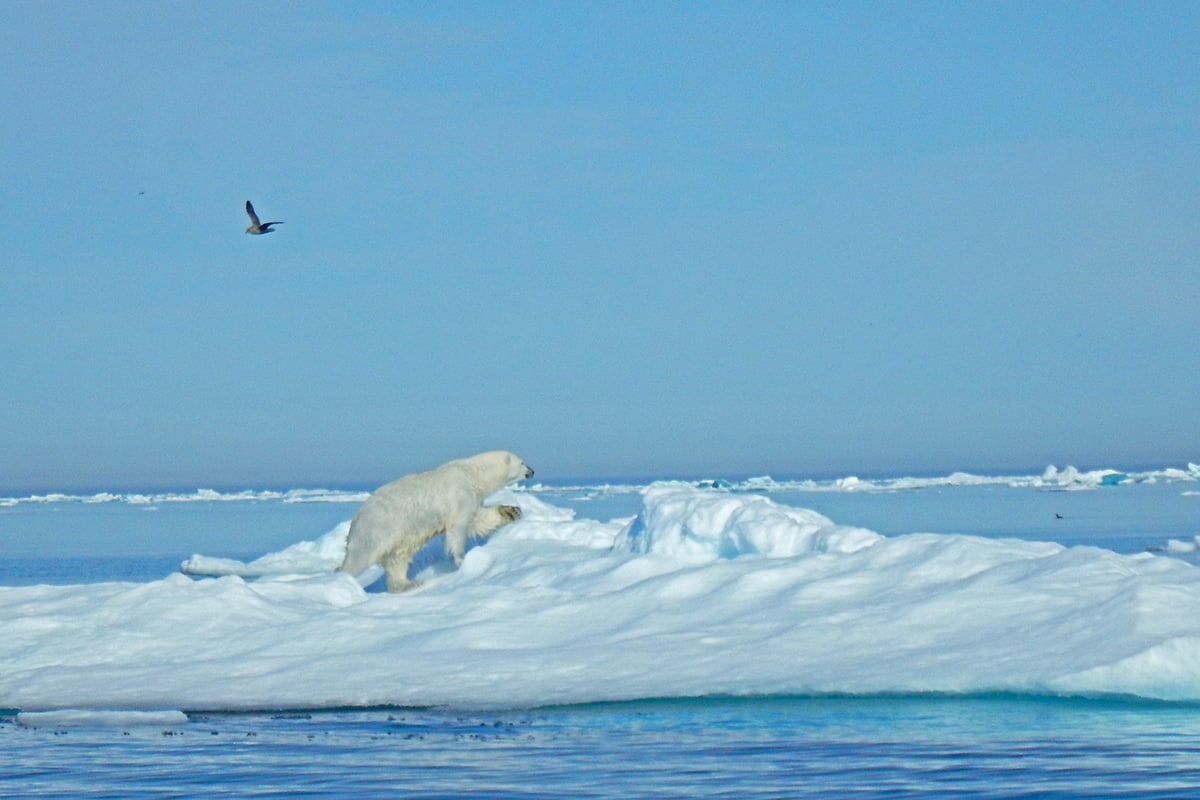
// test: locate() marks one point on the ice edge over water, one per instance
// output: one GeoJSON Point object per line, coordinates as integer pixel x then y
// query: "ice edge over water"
{"type": "Point", "coordinates": [703, 593]}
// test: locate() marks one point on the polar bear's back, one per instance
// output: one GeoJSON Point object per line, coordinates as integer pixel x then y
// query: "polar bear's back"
{"type": "Point", "coordinates": [411, 506]}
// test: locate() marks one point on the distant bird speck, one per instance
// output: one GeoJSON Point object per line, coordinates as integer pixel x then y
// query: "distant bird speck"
{"type": "Point", "coordinates": [1057, 515]}
{"type": "Point", "coordinates": [257, 227]}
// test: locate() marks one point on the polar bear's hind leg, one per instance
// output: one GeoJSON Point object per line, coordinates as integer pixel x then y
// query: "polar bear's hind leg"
{"type": "Point", "coordinates": [395, 564]}
{"type": "Point", "coordinates": [456, 541]}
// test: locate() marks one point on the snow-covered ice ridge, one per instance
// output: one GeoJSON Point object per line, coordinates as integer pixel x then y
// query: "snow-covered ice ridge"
{"type": "Point", "coordinates": [1052, 478]}
{"type": "Point", "coordinates": [702, 592]}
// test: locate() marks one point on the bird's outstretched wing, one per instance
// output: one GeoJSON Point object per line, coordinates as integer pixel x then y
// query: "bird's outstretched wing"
{"type": "Point", "coordinates": [253, 216]}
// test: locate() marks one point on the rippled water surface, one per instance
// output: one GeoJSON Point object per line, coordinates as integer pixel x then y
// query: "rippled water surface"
{"type": "Point", "coordinates": [763, 747]}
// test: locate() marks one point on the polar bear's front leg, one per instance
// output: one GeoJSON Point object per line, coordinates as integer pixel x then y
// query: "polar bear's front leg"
{"type": "Point", "coordinates": [489, 518]}
{"type": "Point", "coordinates": [485, 520]}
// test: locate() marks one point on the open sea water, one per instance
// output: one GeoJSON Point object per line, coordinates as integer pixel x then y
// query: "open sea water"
{"type": "Point", "coordinates": [980, 747]}
{"type": "Point", "coordinates": [983, 746]}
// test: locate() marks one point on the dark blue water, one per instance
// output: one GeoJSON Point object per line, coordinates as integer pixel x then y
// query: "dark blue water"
{"type": "Point", "coordinates": [981, 747]}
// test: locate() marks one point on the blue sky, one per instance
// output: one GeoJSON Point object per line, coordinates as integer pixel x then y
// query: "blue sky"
{"type": "Point", "coordinates": [618, 238]}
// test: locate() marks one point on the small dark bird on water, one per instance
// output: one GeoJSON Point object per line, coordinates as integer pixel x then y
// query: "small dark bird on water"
{"type": "Point", "coordinates": [1057, 515]}
{"type": "Point", "coordinates": [257, 227]}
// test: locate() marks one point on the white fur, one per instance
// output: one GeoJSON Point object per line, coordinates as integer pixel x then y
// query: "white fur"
{"type": "Point", "coordinates": [398, 519]}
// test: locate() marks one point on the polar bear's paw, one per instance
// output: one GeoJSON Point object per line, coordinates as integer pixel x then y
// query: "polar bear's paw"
{"type": "Point", "coordinates": [509, 513]}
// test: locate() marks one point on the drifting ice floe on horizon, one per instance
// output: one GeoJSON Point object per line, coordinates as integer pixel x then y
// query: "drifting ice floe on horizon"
{"type": "Point", "coordinates": [1050, 479]}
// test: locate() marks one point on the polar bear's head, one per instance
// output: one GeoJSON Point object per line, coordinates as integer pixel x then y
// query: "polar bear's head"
{"type": "Point", "coordinates": [518, 470]}
{"type": "Point", "coordinates": [503, 465]}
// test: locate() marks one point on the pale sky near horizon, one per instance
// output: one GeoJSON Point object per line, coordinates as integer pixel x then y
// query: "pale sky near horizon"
{"type": "Point", "coordinates": [665, 239]}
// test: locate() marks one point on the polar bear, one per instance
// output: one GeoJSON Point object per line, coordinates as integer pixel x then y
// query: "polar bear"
{"type": "Point", "coordinates": [398, 519]}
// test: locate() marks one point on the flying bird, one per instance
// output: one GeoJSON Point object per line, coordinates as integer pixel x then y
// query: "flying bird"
{"type": "Point", "coordinates": [257, 227]}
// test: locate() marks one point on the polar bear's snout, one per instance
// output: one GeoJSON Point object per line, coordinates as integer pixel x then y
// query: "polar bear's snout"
{"type": "Point", "coordinates": [528, 472]}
